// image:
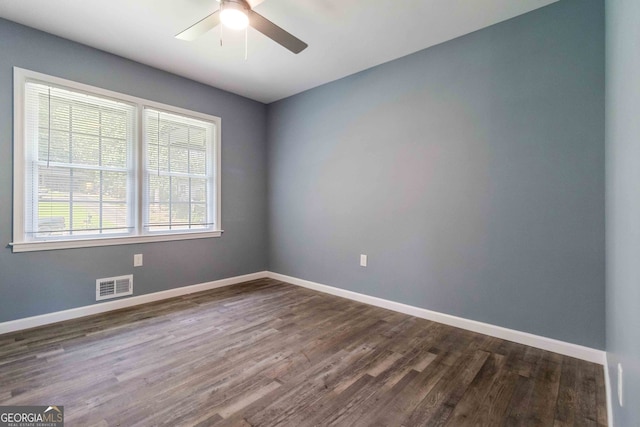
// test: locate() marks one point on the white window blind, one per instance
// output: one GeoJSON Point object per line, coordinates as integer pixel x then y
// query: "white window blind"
{"type": "Point", "coordinates": [179, 172]}
{"type": "Point", "coordinates": [79, 176]}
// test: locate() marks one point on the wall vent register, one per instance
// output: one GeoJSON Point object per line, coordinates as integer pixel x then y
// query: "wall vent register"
{"type": "Point", "coordinates": [113, 287]}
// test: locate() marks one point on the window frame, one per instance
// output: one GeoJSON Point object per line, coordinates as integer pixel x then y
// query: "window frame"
{"type": "Point", "coordinates": [21, 244]}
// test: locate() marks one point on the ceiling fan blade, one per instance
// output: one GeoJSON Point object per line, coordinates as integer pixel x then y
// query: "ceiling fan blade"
{"type": "Point", "coordinates": [254, 3]}
{"type": "Point", "coordinates": [200, 27]}
{"type": "Point", "coordinates": [276, 33]}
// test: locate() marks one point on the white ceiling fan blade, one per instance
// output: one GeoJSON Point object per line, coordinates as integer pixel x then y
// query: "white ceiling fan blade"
{"type": "Point", "coordinates": [254, 3]}
{"type": "Point", "coordinates": [200, 27]}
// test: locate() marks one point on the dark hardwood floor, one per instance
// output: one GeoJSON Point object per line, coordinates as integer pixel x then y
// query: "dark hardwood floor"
{"type": "Point", "coordinates": [266, 353]}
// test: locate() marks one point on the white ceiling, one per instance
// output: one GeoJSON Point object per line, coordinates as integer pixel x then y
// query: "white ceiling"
{"type": "Point", "coordinates": [344, 36]}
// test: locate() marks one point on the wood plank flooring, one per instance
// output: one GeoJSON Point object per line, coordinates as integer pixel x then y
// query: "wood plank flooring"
{"type": "Point", "coordinates": [266, 353]}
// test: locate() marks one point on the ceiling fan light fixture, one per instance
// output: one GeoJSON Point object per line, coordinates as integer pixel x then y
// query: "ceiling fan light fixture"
{"type": "Point", "coordinates": [234, 15]}
{"type": "Point", "coordinates": [238, 14]}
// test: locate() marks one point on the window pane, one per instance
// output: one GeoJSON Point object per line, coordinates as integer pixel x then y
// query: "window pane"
{"type": "Point", "coordinates": [197, 162]}
{"type": "Point", "coordinates": [85, 119]}
{"type": "Point", "coordinates": [179, 159]}
{"type": "Point", "coordinates": [180, 215]}
{"type": "Point", "coordinates": [60, 114]}
{"type": "Point", "coordinates": [178, 134]}
{"type": "Point", "coordinates": [159, 189]}
{"type": "Point", "coordinates": [85, 184]}
{"type": "Point", "coordinates": [114, 124]}
{"type": "Point", "coordinates": [114, 186]}
{"type": "Point", "coordinates": [180, 189]}
{"type": "Point", "coordinates": [53, 218]}
{"type": "Point", "coordinates": [198, 213]}
{"type": "Point", "coordinates": [59, 143]}
{"type": "Point", "coordinates": [86, 217]}
{"type": "Point", "coordinates": [198, 138]}
{"type": "Point", "coordinates": [114, 152]}
{"type": "Point", "coordinates": [198, 190]}
{"type": "Point", "coordinates": [164, 158]}
{"type": "Point", "coordinates": [55, 183]}
{"type": "Point", "coordinates": [158, 216]}
{"type": "Point", "coordinates": [85, 150]}
{"type": "Point", "coordinates": [43, 144]}
{"type": "Point", "coordinates": [152, 132]}
{"type": "Point", "coordinates": [115, 218]}
{"type": "Point", "coordinates": [152, 157]}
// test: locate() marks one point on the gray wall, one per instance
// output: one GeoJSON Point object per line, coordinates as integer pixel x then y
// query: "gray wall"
{"type": "Point", "coordinates": [471, 173]}
{"type": "Point", "coordinates": [623, 205]}
{"type": "Point", "coordinates": [42, 282]}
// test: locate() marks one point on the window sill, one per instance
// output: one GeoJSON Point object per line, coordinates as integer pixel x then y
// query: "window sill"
{"type": "Point", "coordinates": [50, 245]}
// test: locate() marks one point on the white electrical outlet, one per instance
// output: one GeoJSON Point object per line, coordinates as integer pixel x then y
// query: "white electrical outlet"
{"type": "Point", "coordinates": [137, 260]}
{"type": "Point", "coordinates": [363, 260]}
{"type": "Point", "coordinates": [620, 385]}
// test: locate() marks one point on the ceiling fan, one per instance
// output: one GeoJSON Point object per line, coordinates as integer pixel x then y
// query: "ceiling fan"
{"type": "Point", "coordinates": [238, 14]}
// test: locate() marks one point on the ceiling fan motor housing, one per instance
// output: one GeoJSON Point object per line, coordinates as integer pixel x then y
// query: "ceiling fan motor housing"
{"type": "Point", "coordinates": [240, 5]}
{"type": "Point", "coordinates": [234, 14]}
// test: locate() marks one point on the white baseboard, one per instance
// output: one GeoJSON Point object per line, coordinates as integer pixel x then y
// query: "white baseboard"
{"type": "Point", "coordinates": [561, 347]}
{"type": "Point", "coordinates": [59, 316]}
{"type": "Point", "coordinates": [607, 384]}
{"type": "Point", "coordinates": [544, 343]}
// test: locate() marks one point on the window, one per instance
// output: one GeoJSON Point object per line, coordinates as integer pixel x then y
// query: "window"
{"type": "Point", "coordinates": [94, 167]}
{"type": "Point", "coordinates": [79, 178]}
{"type": "Point", "coordinates": [178, 176]}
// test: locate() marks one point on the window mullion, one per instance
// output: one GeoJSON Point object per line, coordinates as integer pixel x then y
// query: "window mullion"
{"type": "Point", "coordinates": [101, 196]}
{"type": "Point", "coordinates": [139, 159]}
{"type": "Point", "coordinates": [170, 180]}
{"type": "Point", "coordinates": [189, 169]}
{"type": "Point", "coordinates": [70, 170]}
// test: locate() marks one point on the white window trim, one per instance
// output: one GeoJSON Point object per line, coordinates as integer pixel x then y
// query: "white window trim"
{"type": "Point", "coordinates": [20, 77]}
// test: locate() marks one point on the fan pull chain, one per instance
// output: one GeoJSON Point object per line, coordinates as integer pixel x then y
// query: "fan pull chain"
{"type": "Point", "coordinates": [221, 26]}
